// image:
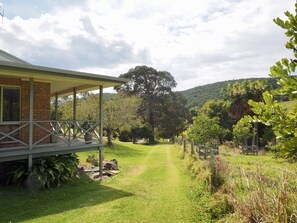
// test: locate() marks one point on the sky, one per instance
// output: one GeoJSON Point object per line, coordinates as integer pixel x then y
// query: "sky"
{"type": "Point", "coordinates": [198, 42]}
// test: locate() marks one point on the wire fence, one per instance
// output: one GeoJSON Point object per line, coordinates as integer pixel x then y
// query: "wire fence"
{"type": "Point", "coordinates": [189, 147]}
{"type": "Point", "coordinates": [256, 190]}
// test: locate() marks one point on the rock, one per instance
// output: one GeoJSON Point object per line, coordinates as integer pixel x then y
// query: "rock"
{"type": "Point", "coordinates": [110, 166]}
{"type": "Point", "coordinates": [115, 161]}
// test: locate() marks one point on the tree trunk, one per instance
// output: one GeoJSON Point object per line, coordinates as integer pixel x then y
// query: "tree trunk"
{"type": "Point", "coordinates": [152, 138]}
{"type": "Point", "coordinates": [108, 133]}
{"type": "Point", "coordinates": [173, 139]}
{"type": "Point", "coordinates": [152, 125]}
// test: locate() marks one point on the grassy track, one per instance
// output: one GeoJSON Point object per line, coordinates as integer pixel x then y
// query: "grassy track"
{"type": "Point", "coordinates": [152, 187]}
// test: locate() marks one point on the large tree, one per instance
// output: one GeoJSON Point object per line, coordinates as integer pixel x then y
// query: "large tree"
{"type": "Point", "coordinates": [150, 85]}
{"type": "Point", "coordinates": [240, 92]}
{"type": "Point", "coordinates": [172, 115]}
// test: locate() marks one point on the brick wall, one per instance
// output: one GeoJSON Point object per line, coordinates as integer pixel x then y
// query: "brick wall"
{"type": "Point", "coordinates": [10, 81]}
{"type": "Point", "coordinates": [41, 107]}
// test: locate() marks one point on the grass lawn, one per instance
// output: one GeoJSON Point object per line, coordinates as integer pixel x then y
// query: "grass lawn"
{"type": "Point", "coordinates": [265, 162]}
{"type": "Point", "coordinates": [152, 186]}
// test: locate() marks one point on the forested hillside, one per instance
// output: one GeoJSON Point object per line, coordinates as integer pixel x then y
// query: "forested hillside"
{"type": "Point", "coordinates": [197, 96]}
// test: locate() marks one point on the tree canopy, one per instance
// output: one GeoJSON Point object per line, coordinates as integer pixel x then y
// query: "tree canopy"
{"type": "Point", "coordinates": [150, 86]}
{"type": "Point", "coordinates": [240, 92]}
{"type": "Point", "coordinates": [172, 115]}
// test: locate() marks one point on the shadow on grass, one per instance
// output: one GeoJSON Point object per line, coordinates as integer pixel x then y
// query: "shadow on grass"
{"type": "Point", "coordinates": [129, 150]}
{"type": "Point", "coordinates": [118, 150]}
{"type": "Point", "coordinates": [20, 205]}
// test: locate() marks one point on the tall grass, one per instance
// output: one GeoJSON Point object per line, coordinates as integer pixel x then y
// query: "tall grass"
{"type": "Point", "coordinates": [238, 188]}
{"type": "Point", "coordinates": [259, 192]}
{"type": "Point", "coordinates": [212, 206]}
{"type": "Point", "coordinates": [257, 197]}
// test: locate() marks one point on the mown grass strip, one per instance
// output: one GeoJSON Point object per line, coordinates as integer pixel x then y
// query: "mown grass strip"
{"type": "Point", "coordinates": [151, 187]}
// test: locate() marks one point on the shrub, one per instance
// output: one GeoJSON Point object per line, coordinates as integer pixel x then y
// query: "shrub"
{"type": "Point", "coordinates": [125, 136]}
{"type": "Point", "coordinates": [46, 171]}
{"type": "Point", "coordinates": [242, 130]}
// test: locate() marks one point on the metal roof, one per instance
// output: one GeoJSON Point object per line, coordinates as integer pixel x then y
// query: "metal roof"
{"type": "Point", "coordinates": [4, 56]}
{"type": "Point", "coordinates": [62, 81]}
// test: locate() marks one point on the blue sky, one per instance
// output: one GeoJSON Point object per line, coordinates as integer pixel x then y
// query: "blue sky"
{"type": "Point", "coordinates": [198, 42]}
{"type": "Point", "coordinates": [33, 8]}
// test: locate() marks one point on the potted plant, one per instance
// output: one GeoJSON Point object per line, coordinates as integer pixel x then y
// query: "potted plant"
{"type": "Point", "coordinates": [88, 127]}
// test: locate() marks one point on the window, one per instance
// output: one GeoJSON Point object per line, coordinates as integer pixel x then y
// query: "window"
{"type": "Point", "coordinates": [10, 103]}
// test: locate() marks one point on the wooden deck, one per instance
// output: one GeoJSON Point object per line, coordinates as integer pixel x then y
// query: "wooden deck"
{"type": "Point", "coordinates": [21, 152]}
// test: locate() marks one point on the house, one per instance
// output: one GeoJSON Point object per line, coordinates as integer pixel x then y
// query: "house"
{"type": "Point", "coordinates": [26, 131]}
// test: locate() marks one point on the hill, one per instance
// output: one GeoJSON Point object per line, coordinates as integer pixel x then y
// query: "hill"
{"type": "Point", "coordinates": [197, 96]}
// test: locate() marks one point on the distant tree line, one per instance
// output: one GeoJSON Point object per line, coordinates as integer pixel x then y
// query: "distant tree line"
{"type": "Point", "coordinates": [199, 95]}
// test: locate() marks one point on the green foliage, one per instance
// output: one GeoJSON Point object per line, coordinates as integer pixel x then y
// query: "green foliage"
{"type": "Point", "coordinates": [283, 124]}
{"type": "Point", "coordinates": [46, 172]}
{"type": "Point", "coordinates": [88, 125]}
{"type": "Point", "coordinates": [18, 174]}
{"type": "Point", "coordinates": [147, 82]}
{"type": "Point", "coordinates": [270, 112]}
{"type": "Point", "coordinates": [205, 130]}
{"type": "Point", "coordinates": [239, 94]}
{"type": "Point", "coordinates": [140, 133]}
{"type": "Point", "coordinates": [242, 130]}
{"type": "Point", "coordinates": [120, 113]}
{"type": "Point", "coordinates": [218, 108]}
{"type": "Point", "coordinates": [211, 125]}
{"type": "Point", "coordinates": [285, 69]}
{"type": "Point", "coordinates": [150, 86]}
{"type": "Point", "coordinates": [172, 115]}
{"type": "Point", "coordinates": [197, 96]}
{"type": "Point", "coordinates": [125, 136]}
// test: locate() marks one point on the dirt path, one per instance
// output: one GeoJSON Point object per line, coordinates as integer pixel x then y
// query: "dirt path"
{"type": "Point", "coordinates": [159, 187]}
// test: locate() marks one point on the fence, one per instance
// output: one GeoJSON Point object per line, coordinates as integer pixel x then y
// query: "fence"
{"type": "Point", "coordinates": [200, 150]}
{"type": "Point", "coordinates": [258, 191]}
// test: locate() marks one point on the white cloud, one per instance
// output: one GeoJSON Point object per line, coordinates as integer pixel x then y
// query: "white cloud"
{"type": "Point", "coordinates": [197, 42]}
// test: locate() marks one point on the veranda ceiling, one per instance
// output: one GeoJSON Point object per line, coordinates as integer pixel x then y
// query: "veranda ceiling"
{"type": "Point", "coordinates": [62, 81]}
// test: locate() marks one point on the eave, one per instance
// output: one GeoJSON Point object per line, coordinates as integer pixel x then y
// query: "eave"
{"type": "Point", "coordinates": [62, 81]}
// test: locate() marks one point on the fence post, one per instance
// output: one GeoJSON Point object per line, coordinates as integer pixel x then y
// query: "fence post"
{"type": "Point", "coordinates": [185, 147]}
